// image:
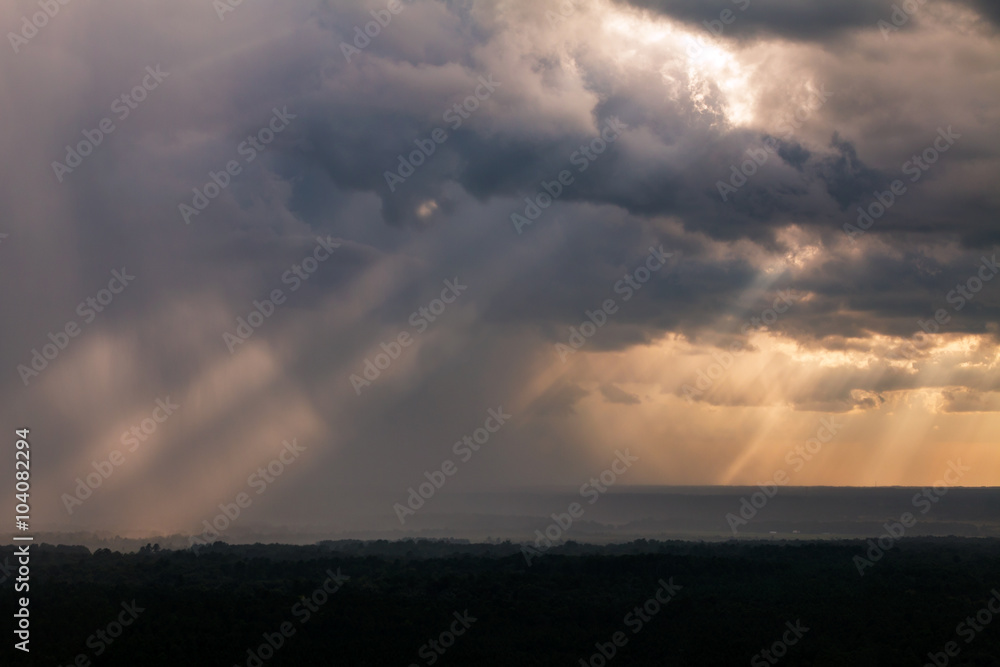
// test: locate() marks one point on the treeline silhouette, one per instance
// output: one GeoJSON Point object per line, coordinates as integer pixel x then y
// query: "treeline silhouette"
{"type": "Point", "coordinates": [210, 605]}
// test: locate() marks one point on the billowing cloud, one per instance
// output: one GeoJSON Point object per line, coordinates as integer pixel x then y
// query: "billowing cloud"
{"type": "Point", "coordinates": [363, 229]}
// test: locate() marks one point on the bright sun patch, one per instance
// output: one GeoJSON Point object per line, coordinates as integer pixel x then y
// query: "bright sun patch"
{"type": "Point", "coordinates": [716, 81]}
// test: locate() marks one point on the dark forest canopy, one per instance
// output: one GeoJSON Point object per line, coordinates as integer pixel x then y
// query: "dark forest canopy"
{"type": "Point", "coordinates": [734, 599]}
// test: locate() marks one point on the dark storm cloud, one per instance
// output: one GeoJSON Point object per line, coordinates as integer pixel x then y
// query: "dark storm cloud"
{"type": "Point", "coordinates": [776, 18]}
{"type": "Point", "coordinates": [989, 11]}
{"type": "Point", "coordinates": [792, 19]}
{"type": "Point", "coordinates": [655, 184]}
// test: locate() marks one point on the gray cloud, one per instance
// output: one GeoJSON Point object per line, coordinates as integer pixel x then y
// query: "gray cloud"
{"type": "Point", "coordinates": [325, 176]}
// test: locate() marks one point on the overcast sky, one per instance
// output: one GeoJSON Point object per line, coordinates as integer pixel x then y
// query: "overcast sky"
{"type": "Point", "coordinates": [711, 151]}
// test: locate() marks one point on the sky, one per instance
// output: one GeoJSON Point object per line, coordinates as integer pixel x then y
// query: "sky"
{"type": "Point", "coordinates": [722, 235]}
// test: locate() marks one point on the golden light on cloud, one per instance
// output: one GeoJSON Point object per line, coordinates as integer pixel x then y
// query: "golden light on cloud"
{"type": "Point", "coordinates": [705, 373]}
{"type": "Point", "coordinates": [680, 54]}
{"type": "Point", "coordinates": [426, 209]}
{"type": "Point", "coordinates": [755, 406]}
